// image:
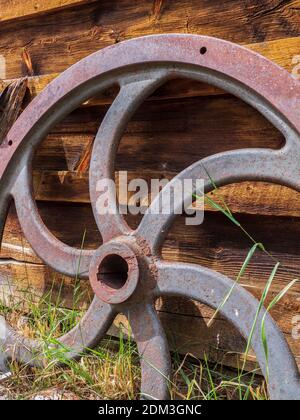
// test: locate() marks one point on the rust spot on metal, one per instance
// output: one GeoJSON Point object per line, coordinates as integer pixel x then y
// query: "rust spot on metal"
{"type": "Point", "coordinates": [144, 246]}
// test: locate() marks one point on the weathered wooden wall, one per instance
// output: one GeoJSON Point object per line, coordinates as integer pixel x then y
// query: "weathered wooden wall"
{"type": "Point", "coordinates": [169, 132]}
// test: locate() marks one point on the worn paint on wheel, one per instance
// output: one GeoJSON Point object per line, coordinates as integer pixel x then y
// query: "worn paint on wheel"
{"type": "Point", "coordinates": [126, 272]}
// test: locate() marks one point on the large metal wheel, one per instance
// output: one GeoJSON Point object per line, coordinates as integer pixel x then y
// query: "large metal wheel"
{"type": "Point", "coordinates": [139, 66]}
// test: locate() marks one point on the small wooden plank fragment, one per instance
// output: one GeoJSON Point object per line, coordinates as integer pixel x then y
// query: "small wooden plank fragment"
{"type": "Point", "coordinates": [246, 197]}
{"type": "Point", "coordinates": [20, 9]}
{"type": "Point", "coordinates": [11, 101]}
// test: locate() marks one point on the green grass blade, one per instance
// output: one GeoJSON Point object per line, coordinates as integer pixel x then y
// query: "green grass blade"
{"type": "Point", "coordinates": [216, 189]}
{"type": "Point", "coordinates": [240, 274]}
{"type": "Point", "coordinates": [215, 205]}
{"type": "Point", "coordinates": [260, 305]}
{"type": "Point", "coordinates": [263, 329]}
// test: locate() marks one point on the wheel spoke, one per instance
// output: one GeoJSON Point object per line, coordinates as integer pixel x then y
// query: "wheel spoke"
{"type": "Point", "coordinates": [224, 168]}
{"type": "Point", "coordinates": [90, 330]}
{"type": "Point", "coordinates": [207, 286]}
{"type": "Point", "coordinates": [17, 347]}
{"type": "Point", "coordinates": [153, 349]}
{"type": "Point", "coordinates": [85, 335]}
{"type": "Point", "coordinates": [102, 167]}
{"type": "Point", "coordinates": [61, 257]}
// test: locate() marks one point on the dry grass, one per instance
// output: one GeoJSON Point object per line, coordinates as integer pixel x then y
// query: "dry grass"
{"type": "Point", "coordinates": [112, 371]}
{"type": "Point", "coordinates": [115, 375]}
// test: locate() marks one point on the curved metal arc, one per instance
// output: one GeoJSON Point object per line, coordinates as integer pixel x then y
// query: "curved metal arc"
{"type": "Point", "coordinates": [209, 287]}
{"type": "Point", "coordinates": [132, 93]}
{"type": "Point", "coordinates": [82, 80]}
{"type": "Point", "coordinates": [17, 347]}
{"type": "Point", "coordinates": [153, 349]}
{"type": "Point", "coordinates": [64, 259]}
{"type": "Point", "coordinates": [84, 336]}
{"type": "Point", "coordinates": [277, 166]}
{"type": "Point", "coordinates": [90, 330]}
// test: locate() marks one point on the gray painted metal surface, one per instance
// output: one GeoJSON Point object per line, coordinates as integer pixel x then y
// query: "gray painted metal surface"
{"type": "Point", "coordinates": [127, 273]}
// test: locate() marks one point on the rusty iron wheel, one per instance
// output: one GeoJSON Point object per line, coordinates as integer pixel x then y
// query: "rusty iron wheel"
{"type": "Point", "coordinates": [139, 67]}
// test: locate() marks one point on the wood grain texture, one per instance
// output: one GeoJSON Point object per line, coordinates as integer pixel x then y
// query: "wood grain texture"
{"type": "Point", "coordinates": [24, 285]}
{"type": "Point", "coordinates": [11, 102]}
{"type": "Point", "coordinates": [163, 127]}
{"type": "Point", "coordinates": [71, 34]}
{"type": "Point", "coordinates": [20, 9]}
{"type": "Point", "coordinates": [246, 197]}
{"type": "Point", "coordinates": [181, 127]}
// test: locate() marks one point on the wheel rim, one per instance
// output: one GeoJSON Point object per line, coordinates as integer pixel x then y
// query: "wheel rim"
{"type": "Point", "coordinates": [139, 67]}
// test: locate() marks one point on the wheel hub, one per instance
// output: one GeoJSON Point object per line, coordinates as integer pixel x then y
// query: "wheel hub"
{"type": "Point", "coordinates": [114, 272]}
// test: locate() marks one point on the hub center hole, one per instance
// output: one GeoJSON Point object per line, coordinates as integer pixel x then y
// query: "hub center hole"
{"type": "Point", "coordinates": [113, 271]}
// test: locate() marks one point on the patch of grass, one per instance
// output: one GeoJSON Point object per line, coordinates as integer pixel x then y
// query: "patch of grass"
{"type": "Point", "coordinates": [102, 374]}
{"type": "Point", "coordinates": [224, 208]}
{"type": "Point", "coordinates": [112, 370]}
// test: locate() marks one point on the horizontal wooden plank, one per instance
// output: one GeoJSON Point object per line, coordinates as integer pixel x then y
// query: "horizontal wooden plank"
{"type": "Point", "coordinates": [246, 197]}
{"type": "Point", "coordinates": [160, 136]}
{"type": "Point", "coordinates": [18, 9]}
{"type": "Point", "coordinates": [160, 141]}
{"type": "Point", "coordinates": [23, 285]}
{"type": "Point", "coordinates": [61, 219]}
{"type": "Point", "coordinates": [280, 51]}
{"type": "Point", "coordinates": [71, 34]}
{"type": "Point", "coordinates": [15, 246]}
{"type": "Point", "coordinates": [179, 88]}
